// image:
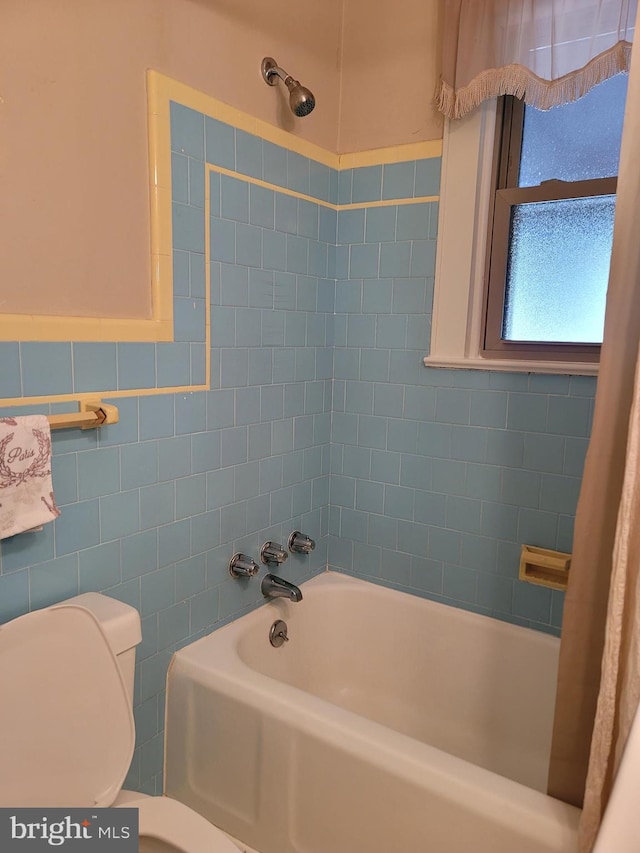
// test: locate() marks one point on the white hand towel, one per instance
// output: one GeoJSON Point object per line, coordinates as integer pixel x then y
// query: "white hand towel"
{"type": "Point", "coordinates": [26, 490]}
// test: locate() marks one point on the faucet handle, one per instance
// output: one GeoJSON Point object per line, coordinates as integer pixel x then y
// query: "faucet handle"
{"type": "Point", "coordinates": [301, 543]}
{"type": "Point", "coordinates": [272, 552]}
{"type": "Point", "coordinates": [242, 566]}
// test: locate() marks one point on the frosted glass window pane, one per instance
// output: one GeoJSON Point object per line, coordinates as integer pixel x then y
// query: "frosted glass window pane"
{"type": "Point", "coordinates": [557, 270]}
{"type": "Point", "coordinates": [577, 141]}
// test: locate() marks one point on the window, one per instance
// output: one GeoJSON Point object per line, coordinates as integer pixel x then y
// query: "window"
{"type": "Point", "coordinates": [548, 184]}
{"type": "Point", "coordinates": [552, 228]}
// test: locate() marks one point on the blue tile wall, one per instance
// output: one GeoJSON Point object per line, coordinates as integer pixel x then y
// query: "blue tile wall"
{"type": "Point", "coordinates": [438, 476]}
{"type": "Point", "coordinates": [153, 508]}
{"type": "Point", "coordinates": [321, 416]}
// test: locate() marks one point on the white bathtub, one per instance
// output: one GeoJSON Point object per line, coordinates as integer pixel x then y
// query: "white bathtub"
{"type": "Point", "coordinates": [387, 722]}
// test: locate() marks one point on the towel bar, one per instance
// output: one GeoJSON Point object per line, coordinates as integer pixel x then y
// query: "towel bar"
{"type": "Point", "coordinates": [92, 414]}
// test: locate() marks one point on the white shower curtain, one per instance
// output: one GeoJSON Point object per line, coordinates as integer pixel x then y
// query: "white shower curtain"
{"type": "Point", "coordinates": [578, 748]}
{"type": "Point", "coordinates": [620, 670]}
{"type": "Point", "coordinates": [620, 682]}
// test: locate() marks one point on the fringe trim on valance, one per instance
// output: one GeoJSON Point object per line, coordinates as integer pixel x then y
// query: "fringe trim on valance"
{"type": "Point", "coordinates": [533, 90]}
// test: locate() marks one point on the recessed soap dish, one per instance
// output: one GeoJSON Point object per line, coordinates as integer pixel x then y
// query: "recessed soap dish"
{"type": "Point", "coordinates": [544, 566]}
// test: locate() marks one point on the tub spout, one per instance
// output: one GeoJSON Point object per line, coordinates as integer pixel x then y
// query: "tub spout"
{"type": "Point", "coordinates": [274, 587]}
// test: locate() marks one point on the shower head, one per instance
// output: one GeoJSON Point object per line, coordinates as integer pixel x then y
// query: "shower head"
{"type": "Point", "coordinates": [301, 99]}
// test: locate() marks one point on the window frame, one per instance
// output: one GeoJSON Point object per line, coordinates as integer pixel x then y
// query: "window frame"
{"type": "Point", "coordinates": [508, 149]}
{"type": "Point", "coordinates": [467, 182]}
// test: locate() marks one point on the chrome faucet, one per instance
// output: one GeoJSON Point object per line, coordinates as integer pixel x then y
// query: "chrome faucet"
{"type": "Point", "coordinates": [274, 587]}
{"type": "Point", "coordinates": [243, 566]}
{"type": "Point", "coordinates": [300, 543]}
{"type": "Point", "coordinates": [272, 552]}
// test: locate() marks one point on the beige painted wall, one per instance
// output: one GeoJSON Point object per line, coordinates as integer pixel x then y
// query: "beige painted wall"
{"type": "Point", "coordinates": [73, 139]}
{"type": "Point", "coordinates": [391, 61]}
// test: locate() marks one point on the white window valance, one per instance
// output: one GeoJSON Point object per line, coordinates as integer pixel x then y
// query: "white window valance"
{"type": "Point", "coordinates": [547, 52]}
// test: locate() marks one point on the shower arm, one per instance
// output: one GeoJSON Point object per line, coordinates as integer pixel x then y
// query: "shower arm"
{"type": "Point", "coordinates": [271, 70]}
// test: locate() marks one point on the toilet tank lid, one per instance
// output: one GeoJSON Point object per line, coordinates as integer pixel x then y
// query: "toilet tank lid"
{"type": "Point", "coordinates": [119, 621]}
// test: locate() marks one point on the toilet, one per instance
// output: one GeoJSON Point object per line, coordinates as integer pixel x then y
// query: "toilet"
{"type": "Point", "coordinates": [67, 720]}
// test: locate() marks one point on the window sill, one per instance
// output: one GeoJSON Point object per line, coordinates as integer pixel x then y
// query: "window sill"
{"type": "Point", "coordinates": [513, 365]}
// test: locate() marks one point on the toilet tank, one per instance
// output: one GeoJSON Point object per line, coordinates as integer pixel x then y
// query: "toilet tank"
{"type": "Point", "coordinates": [121, 624]}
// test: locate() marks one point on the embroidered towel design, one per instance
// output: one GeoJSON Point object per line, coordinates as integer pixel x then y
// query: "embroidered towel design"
{"type": "Point", "coordinates": [26, 490]}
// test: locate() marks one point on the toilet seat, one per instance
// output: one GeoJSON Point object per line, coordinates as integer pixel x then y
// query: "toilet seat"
{"type": "Point", "coordinates": [176, 824]}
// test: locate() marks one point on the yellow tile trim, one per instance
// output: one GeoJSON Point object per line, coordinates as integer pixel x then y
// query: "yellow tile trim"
{"type": "Point", "coordinates": [387, 202]}
{"type": "Point", "coordinates": [7, 402]}
{"type": "Point", "coordinates": [173, 90]}
{"type": "Point", "coordinates": [159, 133]}
{"type": "Point", "coordinates": [240, 176]}
{"type": "Point", "coordinates": [248, 179]}
{"type": "Point", "coordinates": [46, 327]}
{"type": "Point", "coordinates": [395, 154]}
{"type": "Point", "coordinates": [161, 219]}
{"type": "Point", "coordinates": [207, 280]}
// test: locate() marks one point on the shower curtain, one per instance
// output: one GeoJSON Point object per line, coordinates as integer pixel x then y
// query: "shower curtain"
{"type": "Point", "coordinates": [548, 51]}
{"type": "Point", "coordinates": [600, 649]}
{"type": "Point", "coordinates": [620, 683]}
